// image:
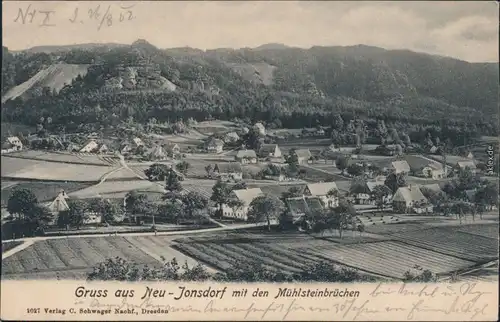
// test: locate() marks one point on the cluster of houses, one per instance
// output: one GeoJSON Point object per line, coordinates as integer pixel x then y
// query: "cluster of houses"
{"type": "Point", "coordinates": [316, 196]}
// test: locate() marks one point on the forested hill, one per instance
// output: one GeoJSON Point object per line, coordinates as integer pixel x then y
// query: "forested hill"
{"type": "Point", "coordinates": [271, 82]}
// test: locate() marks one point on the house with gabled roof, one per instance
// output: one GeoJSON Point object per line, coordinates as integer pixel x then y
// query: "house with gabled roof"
{"type": "Point", "coordinates": [303, 156]}
{"type": "Point", "coordinates": [327, 192]}
{"type": "Point", "coordinates": [245, 196]}
{"type": "Point", "coordinates": [246, 156]}
{"type": "Point", "coordinates": [172, 149]}
{"type": "Point", "coordinates": [466, 164]}
{"type": "Point", "coordinates": [298, 207]}
{"type": "Point", "coordinates": [410, 200]}
{"type": "Point", "coordinates": [214, 145]}
{"type": "Point", "coordinates": [269, 151]}
{"type": "Point", "coordinates": [422, 167]}
{"type": "Point", "coordinates": [400, 167]}
{"type": "Point", "coordinates": [89, 147]}
{"type": "Point", "coordinates": [230, 171]}
{"type": "Point", "coordinates": [58, 205]}
{"type": "Point", "coordinates": [137, 142]}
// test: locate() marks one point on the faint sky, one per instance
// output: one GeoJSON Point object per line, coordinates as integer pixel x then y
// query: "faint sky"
{"type": "Point", "coordinates": [464, 30]}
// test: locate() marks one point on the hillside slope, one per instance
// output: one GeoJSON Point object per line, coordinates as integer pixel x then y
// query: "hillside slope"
{"type": "Point", "coordinates": [54, 77]}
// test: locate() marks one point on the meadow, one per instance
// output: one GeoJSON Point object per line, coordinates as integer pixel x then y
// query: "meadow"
{"type": "Point", "coordinates": [16, 168]}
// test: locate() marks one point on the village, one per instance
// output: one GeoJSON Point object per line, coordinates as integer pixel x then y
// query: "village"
{"type": "Point", "coordinates": [233, 176]}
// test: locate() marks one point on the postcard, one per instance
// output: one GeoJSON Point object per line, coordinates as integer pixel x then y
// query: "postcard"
{"type": "Point", "coordinates": [249, 160]}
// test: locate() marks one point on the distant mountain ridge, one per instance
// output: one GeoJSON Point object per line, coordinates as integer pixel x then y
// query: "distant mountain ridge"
{"type": "Point", "coordinates": [267, 77]}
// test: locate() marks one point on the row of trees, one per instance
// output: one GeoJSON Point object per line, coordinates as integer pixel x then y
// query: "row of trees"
{"type": "Point", "coordinates": [118, 269]}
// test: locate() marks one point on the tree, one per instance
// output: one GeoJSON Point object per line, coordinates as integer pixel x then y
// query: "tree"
{"type": "Point", "coordinates": [436, 198]}
{"type": "Point", "coordinates": [209, 169]}
{"type": "Point", "coordinates": [265, 207]}
{"type": "Point", "coordinates": [193, 201]}
{"type": "Point", "coordinates": [395, 181]}
{"type": "Point", "coordinates": [77, 213]}
{"type": "Point", "coordinates": [341, 163]}
{"type": "Point", "coordinates": [487, 195]}
{"type": "Point", "coordinates": [292, 193]}
{"type": "Point", "coordinates": [21, 203]}
{"type": "Point", "coordinates": [379, 194]}
{"type": "Point", "coordinates": [341, 216]}
{"type": "Point", "coordinates": [220, 195]}
{"type": "Point", "coordinates": [240, 185]}
{"type": "Point", "coordinates": [118, 269]}
{"type": "Point", "coordinates": [110, 211]}
{"type": "Point", "coordinates": [182, 167]}
{"type": "Point", "coordinates": [419, 275]}
{"type": "Point", "coordinates": [355, 170]}
{"type": "Point", "coordinates": [173, 183]}
{"type": "Point", "coordinates": [157, 172]}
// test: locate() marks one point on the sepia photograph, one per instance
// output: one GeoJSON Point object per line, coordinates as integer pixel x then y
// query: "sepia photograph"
{"type": "Point", "coordinates": [223, 142]}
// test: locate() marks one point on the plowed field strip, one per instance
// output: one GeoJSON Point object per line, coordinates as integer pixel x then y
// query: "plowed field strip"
{"type": "Point", "coordinates": [67, 255]}
{"type": "Point", "coordinates": [48, 255]}
{"type": "Point", "coordinates": [30, 260]}
{"type": "Point", "coordinates": [131, 251]}
{"type": "Point", "coordinates": [273, 257]}
{"type": "Point", "coordinates": [258, 258]}
{"type": "Point", "coordinates": [88, 253]}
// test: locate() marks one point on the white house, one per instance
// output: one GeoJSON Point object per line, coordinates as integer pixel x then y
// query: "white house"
{"type": "Point", "coordinates": [327, 192]}
{"type": "Point", "coordinates": [260, 128]}
{"type": "Point", "coordinates": [228, 171]}
{"type": "Point", "coordinates": [90, 146]}
{"type": "Point", "coordinates": [214, 145]}
{"type": "Point", "coordinates": [16, 144]}
{"type": "Point", "coordinates": [103, 148]}
{"type": "Point", "coordinates": [400, 167]}
{"type": "Point", "coordinates": [303, 155]}
{"type": "Point", "coordinates": [246, 156]}
{"type": "Point", "coordinates": [246, 196]}
{"type": "Point", "coordinates": [137, 142]}
{"type": "Point", "coordinates": [410, 200]}
{"type": "Point", "coordinates": [433, 170]}
{"type": "Point", "coordinates": [231, 137]}
{"type": "Point", "coordinates": [270, 151]}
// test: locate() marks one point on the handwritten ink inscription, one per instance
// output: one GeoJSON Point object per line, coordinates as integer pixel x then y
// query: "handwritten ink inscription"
{"type": "Point", "coordinates": [96, 15]}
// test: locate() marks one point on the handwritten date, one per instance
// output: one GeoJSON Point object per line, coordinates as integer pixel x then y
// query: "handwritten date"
{"type": "Point", "coordinates": [100, 16]}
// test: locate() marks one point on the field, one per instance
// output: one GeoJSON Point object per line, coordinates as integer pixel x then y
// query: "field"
{"type": "Point", "coordinates": [442, 250]}
{"type": "Point", "coordinates": [117, 188]}
{"type": "Point", "coordinates": [316, 175]}
{"type": "Point", "coordinates": [62, 157]}
{"type": "Point", "coordinates": [9, 245]}
{"type": "Point", "coordinates": [451, 241]}
{"type": "Point", "coordinates": [73, 257]}
{"type": "Point", "coordinates": [43, 190]}
{"type": "Point", "coordinates": [387, 258]}
{"type": "Point", "coordinates": [293, 252]}
{"type": "Point", "coordinates": [133, 173]}
{"type": "Point", "coordinates": [53, 171]}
